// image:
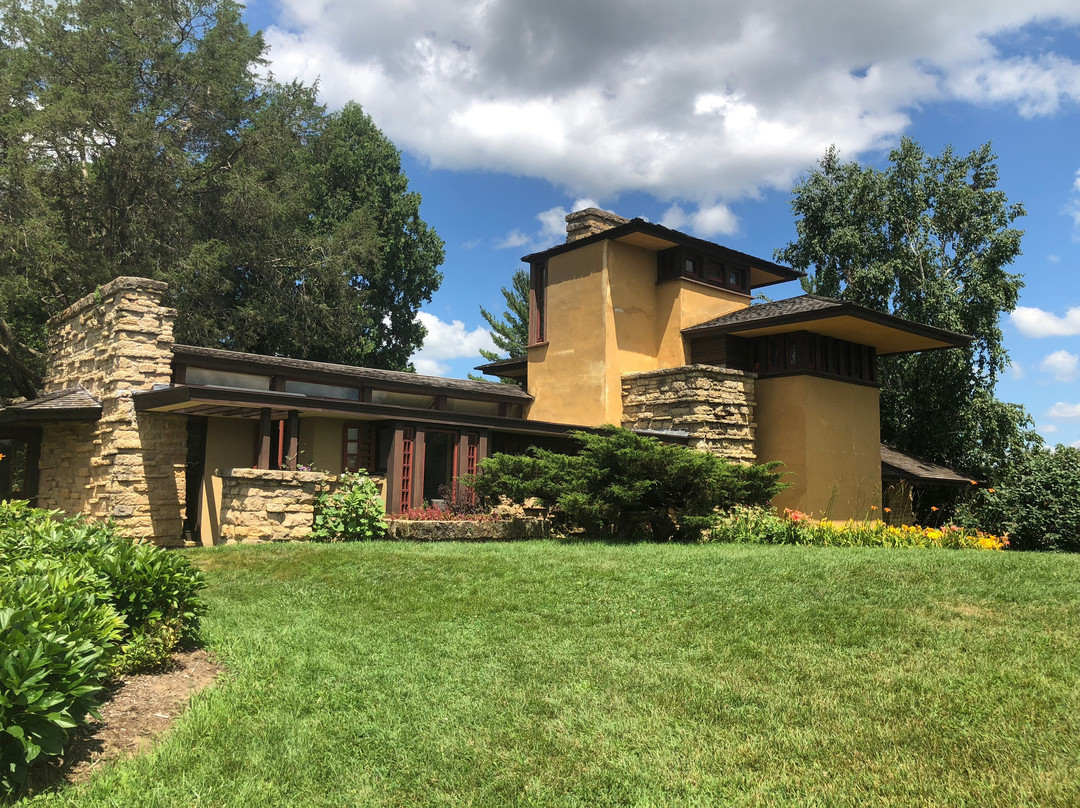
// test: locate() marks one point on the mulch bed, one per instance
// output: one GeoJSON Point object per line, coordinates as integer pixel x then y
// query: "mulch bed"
{"type": "Point", "coordinates": [140, 708]}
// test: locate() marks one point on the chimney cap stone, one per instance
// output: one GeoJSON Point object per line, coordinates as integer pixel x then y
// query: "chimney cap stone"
{"type": "Point", "coordinates": [590, 221]}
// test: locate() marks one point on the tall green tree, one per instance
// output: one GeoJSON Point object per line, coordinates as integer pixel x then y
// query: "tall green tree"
{"type": "Point", "coordinates": [928, 238]}
{"type": "Point", "coordinates": [510, 332]}
{"type": "Point", "coordinates": [138, 138]}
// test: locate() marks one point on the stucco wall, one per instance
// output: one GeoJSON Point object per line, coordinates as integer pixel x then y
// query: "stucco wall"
{"type": "Point", "coordinates": [607, 317]}
{"type": "Point", "coordinates": [568, 375]}
{"type": "Point", "coordinates": [321, 443]}
{"type": "Point", "coordinates": [230, 442]}
{"type": "Point", "coordinates": [827, 433]}
{"type": "Point", "coordinates": [114, 342]}
{"type": "Point", "coordinates": [715, 405]}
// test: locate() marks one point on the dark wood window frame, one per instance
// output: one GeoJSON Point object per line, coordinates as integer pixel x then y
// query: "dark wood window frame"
{"type": "Point", "coordinates": [358, 451]}
{"type": "Point", "coordinates": [700, 265]}
{"type": "Point", "coordinates": [538, 282]}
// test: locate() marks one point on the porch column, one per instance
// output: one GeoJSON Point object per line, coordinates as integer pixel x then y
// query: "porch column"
{"type": "Point", "coordinates": [265, 427]}
{"type": "Point", "coordinates": [292, 439]}
{"type": "Point", "coordinates": [418, 467]}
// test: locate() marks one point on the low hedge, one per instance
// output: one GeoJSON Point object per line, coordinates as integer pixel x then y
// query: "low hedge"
{"type": "Point", "coordinates": [78, 604]}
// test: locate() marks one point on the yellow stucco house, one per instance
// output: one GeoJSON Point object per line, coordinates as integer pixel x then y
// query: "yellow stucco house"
{"type": "Point", "coordinates": [631, 323]}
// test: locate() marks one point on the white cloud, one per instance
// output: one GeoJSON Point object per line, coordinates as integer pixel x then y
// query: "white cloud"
{"type": "Point", "coordinates": [1049, 429]}
{"type": "Point", "coordinates": [1033, 322]}
{"type": "Point", "coordinates": [1062, 365]}
{"type": "Point", "coordinates": [1075, 444]}
{"type": "Point", "coordinates": [447, 341]}
{"type": "Point", "coordinates": [1015, 370]}
{"type": "Point", "coordinates": [707, 220]}
{"type": "Point", "coordinates": [1064, 410]}
{"type": "Point", "coordinates": [552, 228]}
{"type": "Point", "coordinates": [702, 104]}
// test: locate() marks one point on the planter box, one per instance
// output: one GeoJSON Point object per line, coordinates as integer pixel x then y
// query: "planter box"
{"type": "Point", "coordinates": [502, 530]}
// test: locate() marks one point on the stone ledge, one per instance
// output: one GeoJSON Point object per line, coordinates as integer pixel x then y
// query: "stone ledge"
{"type": "Point", "coordinates": [686, 370]}
{"type": "Point", "coordinates": [277, 475]}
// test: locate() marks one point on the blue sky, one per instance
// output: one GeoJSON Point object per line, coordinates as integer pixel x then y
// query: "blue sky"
{"type": "Point", "coordinates": [701, 115]}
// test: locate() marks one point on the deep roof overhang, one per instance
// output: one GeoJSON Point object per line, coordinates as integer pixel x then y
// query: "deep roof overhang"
{"type": "Point", "coordinates": [641, 233]}
{"type": "Point", "coordinates": [839, 319]}
{"type": "Point", "coordinates": [247, 404]}
{"type": "Point", "coordinates": [896, 465]}
{"type": "Point", "coordinates": [70, 405]}
{"type": "Point", "coordinates": [516, 368]}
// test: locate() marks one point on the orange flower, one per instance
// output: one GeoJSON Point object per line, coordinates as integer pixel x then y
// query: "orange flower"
{"type": "Point", "coordinates": [888, 510]}
{"type": "Point", "coordinates": [873, 507]}
{"type": "Point", "coordinates": [973, 482]}
{"type": "Point", "coordinates": [991, 490]}
{"type": "Point", "coordinates": [933, 507]}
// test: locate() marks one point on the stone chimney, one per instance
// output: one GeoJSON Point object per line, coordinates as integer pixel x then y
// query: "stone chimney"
{"type": "Point", "coordinates": [589, 222]}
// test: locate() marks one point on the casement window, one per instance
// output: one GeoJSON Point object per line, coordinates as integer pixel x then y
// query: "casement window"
{"type": "Point", "coordinates": [799, 352]}
{"type": "Point", "coordinates": [710, 268]}
{"type": "Point", "coordinates": [358, 448]}
{"type": "Point", "coordinates": [538, 281]}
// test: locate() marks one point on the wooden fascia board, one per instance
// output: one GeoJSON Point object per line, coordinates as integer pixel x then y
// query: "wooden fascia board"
{"type": "Point", "coordinates": [177, 396]}
{"type": "Point", "coordinates": [55, 416]}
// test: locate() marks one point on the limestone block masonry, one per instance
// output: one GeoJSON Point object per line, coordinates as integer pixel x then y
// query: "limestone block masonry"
{"type": "Point", "coordinates": [262, 505]}
{"type": "Point", "coordinates": [128, 466]}
{"type": "Point", "coordinates": [714, 405]}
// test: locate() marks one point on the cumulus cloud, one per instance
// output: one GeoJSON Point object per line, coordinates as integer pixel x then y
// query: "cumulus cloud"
{"type": "Point", "coordinates": [1062, 365]}
{"type": "Point", "coordinates": [1033, 322]}
{"type": "Point", "coordinates": [1064, 410]}
{"type": "Point", "coordinates": [552, 229]}
{"type": "Point", "coordinates": [1015, 370]}
{"type": "Point", "coordinates": [447, 341]}
{"type": "Point", "coordinates": [700, 104]}
{"type": "Point", "coordinates": [1049, 429]}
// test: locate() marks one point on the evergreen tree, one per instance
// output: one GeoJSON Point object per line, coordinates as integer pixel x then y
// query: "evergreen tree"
{"type": "Point", "coordinates": [511, 333]}
{"type": "Point", "coordinates": [139, 139]}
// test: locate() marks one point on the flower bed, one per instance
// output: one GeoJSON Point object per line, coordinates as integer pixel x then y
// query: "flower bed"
{"type": "Point", "coordinates": [458, 529]}
{"type": "Point", "coordinates": [762, 526]}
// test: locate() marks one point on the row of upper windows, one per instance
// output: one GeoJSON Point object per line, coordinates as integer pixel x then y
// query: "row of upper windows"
{"type": "Point", "coordinates": [208, 377]}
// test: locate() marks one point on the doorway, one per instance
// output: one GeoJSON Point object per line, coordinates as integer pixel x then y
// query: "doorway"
{"type": "Point", "coordinates": [440, 464]}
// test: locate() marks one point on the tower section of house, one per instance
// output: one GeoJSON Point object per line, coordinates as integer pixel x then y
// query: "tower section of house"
{"type": "Point", "coordinates": [635, 324]}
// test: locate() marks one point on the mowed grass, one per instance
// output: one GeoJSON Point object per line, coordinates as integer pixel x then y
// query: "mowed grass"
{"type": "Point", "coordinates": [590, 674]}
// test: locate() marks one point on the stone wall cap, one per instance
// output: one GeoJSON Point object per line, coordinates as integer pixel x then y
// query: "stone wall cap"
{"type": "Point", "coordinates": [104, 292]}
{"type": "Point", "coordinates": [275, 475]}
{"type": "Point", "coordinates": [689, 369]}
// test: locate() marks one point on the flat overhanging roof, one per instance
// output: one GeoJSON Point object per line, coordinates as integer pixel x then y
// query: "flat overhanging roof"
{"type": "Point", "coordinates": [832, 318]}
{"type": "Point", "coordinates": [227, 402]}
{"type": "Point", "coordinates": [641, 233]}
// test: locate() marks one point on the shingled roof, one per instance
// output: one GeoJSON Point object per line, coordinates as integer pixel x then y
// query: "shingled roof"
{"type": "Point", "coordinates": [826, 315]}
{"type": "Point", "coordinates": [896, 465]}
{"type": "Point", "coordinates": [69, 404]}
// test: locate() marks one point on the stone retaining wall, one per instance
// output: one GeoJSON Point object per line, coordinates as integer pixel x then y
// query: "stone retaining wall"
{"type": "Point", "coordinates": [129, 466]}
{"type": "Point", "coordinates": [261, 505]}
{"type": "Point", "coordinates": [714, 405]}
{"type": "Point", "coordinates": [501, 530]}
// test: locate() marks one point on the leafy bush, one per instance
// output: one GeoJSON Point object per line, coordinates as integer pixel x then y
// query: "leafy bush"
{"type": "Point", "coordinates": [56, 636]}
{"type": "Point", "coordinates": [1037, 501]}
{"type": "Point", "coordinates": [77, 603]}
{"type": "Point", "coordinates": [353, 511]}
{"type": "Point", "coordinates": [765, 526]}
{"type": "Point", "coordinates": [623, 485]}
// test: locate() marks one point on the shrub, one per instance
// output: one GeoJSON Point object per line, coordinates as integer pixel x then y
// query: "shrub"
{"type": "Point", "coordinates": [623, 485]}
{"type": "Point", "coordinates": [1037, 501]}
{"type": "Point", "coordinates": [765, 526]}
{"type": "Point", "coordinates": [77, 603]}
{"type": "Point", "coordinates": [353, 511]}
{"type": "Point", "coordinates": [57, 633]}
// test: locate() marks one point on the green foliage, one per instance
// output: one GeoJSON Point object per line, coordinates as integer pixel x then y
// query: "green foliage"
{"type": "Point", "coordinates": [623, 485]}
{"type": "Point", "coordinates": [138, 138]}
{"type": "Point", "coordinates": [511, 333]}
{"type": "Point", "coordinates": [56, 635]}
{"type": "Point", "coordinates": [77, 604]}
{"type": "Point", "coordinates": [1037, 501]}
{"type": "Point", "coordinates": [353, 511]}
{"type": "Point", "coordinates": [929, 239]}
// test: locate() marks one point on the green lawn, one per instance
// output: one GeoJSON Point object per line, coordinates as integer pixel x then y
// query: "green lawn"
{"type": "Point", "coordinates": [591, 674]}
